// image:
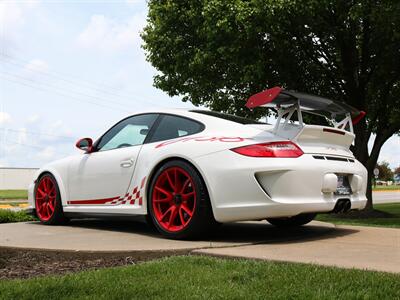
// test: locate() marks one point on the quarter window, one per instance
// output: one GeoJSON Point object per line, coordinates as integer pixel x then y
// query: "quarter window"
{"type": "Point", "coordinates": [129, 132]}
{"type": "Point", "coordinates": [171, 127]}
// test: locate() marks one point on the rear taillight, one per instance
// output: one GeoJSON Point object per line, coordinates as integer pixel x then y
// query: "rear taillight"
{"type": "Point", "coordinates": [273, 149]}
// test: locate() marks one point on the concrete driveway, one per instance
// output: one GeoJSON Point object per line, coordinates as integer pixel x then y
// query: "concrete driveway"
{"type": "Point", "coordinates": [320, 243]}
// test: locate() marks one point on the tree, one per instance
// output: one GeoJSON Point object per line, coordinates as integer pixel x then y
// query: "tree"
{"type": "Point", "coordinates": [385, 173]}
{"type": "Point", "coordinates": [397, 171]}
{"type": "Point", "coordinates": [217, 53]}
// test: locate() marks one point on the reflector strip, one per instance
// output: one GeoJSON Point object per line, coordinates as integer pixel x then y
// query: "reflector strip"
{"type": "Point", "coordinates": [334, 131]}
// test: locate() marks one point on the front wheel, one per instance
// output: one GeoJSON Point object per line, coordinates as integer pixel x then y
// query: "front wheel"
{"type": "Point", "coordinates": [48, 201]}
{"type": "Point", "coordinates": [178, 201]}
{"type": "Point", "coordinates": [294, 221]}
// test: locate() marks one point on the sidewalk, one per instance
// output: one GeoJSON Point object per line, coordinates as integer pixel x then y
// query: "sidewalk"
{"type": "Point", "coordinates": [320, 243]}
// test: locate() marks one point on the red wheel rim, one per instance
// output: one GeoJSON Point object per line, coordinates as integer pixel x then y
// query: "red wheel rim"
{"type": "Point", "coordinates": [45, 197]}
{"type": "Point", "coordinates": [174, 199]}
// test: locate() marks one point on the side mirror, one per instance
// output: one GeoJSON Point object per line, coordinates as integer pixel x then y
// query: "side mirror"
{"type": "Point", "coordinates": [85, 144]}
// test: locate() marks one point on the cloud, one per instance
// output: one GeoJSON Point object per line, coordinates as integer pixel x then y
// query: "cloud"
{"type": "Point", "coordinates": [37, 65]}
{"type": "Point", "coordinates": [33, 119]}
{"type": "Point", "coordinates": [133, 2]}
{"type": "Point", "coordinates": [47, 153]}
{"type": "Point", "coordinates": [106, 34]}
{"type": "Point", "coordinates": [390, 152]}
{"type": "Point", "coordinates": [12, 19]}
{"type": "Point", "coordinates": [11, 15]}
{"type": "Point", "coordinates": [22, 136]}
{"type": "Point", "coordinates": [4, 118]}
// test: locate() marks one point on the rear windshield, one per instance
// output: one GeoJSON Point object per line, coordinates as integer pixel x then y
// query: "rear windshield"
{"type": "Point", "coordinates": [228, 117]}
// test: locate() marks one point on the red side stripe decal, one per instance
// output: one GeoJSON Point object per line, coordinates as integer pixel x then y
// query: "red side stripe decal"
{"type": "Point", "coordinates": [129, 198]}
{"type": "Point", "coordinates": [94, 201]}
{"type": "Point", "coordinates": [143, 181]}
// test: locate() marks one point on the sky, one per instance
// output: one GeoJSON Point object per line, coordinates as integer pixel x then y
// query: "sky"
{"type": "Point", "coordinates": [71, 69]}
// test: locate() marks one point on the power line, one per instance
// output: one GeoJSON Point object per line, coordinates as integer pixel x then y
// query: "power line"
{"type": "Point", "coordinates": [61, 94]}
{"type": "Point", "coordinates": [76, 82]}
{"type": "Point", "coordinates": [33, 146]}
{"type": "Point", "coordinates": [36, 133]}
{"type": "Point", "coordinates": [15, 76]}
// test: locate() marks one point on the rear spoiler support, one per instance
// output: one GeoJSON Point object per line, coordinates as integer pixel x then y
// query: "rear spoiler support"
{"type": "Point", "coordinates": [343, 124]}
{"type": "Point", "coordinates": [289, 111]}
{"type": "Point", "coordinates": [288, 102]}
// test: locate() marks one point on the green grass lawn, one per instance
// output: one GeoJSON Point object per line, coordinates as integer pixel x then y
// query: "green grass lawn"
{"type": "Point", "coordinates": [393, 220]}
{"type": "Point", "coordinates": [8, 216]}
{"type": "Point", "coordinates": [13, 194]}
{"type": "Point", "coordinates": [386, 187]}
{"type": "Point", "coordinates": [195, 277]}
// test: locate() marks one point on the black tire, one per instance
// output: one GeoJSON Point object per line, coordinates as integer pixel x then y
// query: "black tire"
{"type": "Point", "coordinates": [294, 221]}
{"type": "Point", "coordinates": [58, 217]}
{"type": "Point", "coordinates": [202, 220]}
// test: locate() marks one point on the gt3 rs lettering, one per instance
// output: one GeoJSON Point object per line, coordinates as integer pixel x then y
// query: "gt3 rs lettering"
{"type": "Point", "coordinates": [128, 198]}
{"type": "Point", "coordinates": [205, 139]}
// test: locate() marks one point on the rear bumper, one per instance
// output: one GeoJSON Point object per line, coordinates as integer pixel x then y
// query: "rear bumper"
{"type": "Point", "coordinates": [258, 188]}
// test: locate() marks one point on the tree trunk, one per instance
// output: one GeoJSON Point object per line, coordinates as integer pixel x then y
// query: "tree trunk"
{"type": "Point", "coordinates": [369, 205]}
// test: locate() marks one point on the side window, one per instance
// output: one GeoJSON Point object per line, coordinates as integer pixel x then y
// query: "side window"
{"type": "Point", "coordinates": [172, 127]}
{"type": "Point", "coordinates": [129, 132]}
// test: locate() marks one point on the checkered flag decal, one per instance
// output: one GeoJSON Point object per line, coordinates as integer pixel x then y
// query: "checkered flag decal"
{"type": "Point", "coordinates": [131, 197]}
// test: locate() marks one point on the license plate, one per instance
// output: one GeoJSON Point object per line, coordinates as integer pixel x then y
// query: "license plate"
{"type": "Point", "coordinates": [343, 185]}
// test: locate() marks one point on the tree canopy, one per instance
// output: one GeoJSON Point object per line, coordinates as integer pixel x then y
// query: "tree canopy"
{"type": "Point", "coordinates": [217, 53]}
{"type": "Point", "coordinates": [385, 173]}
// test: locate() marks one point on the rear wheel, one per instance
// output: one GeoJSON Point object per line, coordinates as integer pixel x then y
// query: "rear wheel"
{"type": "Point", "coordinates": [178, 201]}
{"type": "Point", "coordinates": [48, 201]}
{"type": "Point", "coordinates": [294, 221]}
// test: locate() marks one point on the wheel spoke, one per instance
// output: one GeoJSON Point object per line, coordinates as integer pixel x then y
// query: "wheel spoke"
{"type": "Point", "coordinates": [172, 217]}
{"type": "Point", "coordinates": [171, 184]}
{"type": "Point", "coordinates": [166, 213]}
{"type": "Point", "coordinates": [51, 204]}
{"type": "Point", "coordinates": [184, 186]}
{"type": "Point", "coordinates": [162, 200]}
{"type": "Point", "coordinates": [44, 184]}
{"type": "Point", "coordinates": [186, 196]}
{"type": "Point", "coordinates": [41, 192]}
{"type": "Point", "coordinates": [52, 192]}
{"type": "Point", "coordinates": [48, 209]}
{"type": "Point", "coordinates": [187, 210]}
{"type": "Point", "coordinates": [176, 180]}
{"type": "Point", "coordinates": [165, 192]}
{"type": "Point", "coordinates": [43, 209]}
{"type": "Point", "coordinates": [181, 216]}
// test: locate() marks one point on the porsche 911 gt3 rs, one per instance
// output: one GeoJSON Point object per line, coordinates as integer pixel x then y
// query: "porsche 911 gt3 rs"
{"type": "Point", "coordinates": [188, 170]}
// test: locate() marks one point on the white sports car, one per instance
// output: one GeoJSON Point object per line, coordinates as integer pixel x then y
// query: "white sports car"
{"type": "Point", "coordinates": [187, 170]}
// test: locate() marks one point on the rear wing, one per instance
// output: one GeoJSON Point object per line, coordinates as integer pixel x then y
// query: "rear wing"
{"type": "Point", "coordinates": [340, 114]}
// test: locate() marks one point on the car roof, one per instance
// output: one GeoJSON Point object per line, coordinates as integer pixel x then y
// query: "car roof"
{"type": "Point", "coordinates": [209, 120]}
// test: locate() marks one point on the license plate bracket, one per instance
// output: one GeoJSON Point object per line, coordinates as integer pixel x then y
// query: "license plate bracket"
{"type": "Point", "coordinates": [343, 185]}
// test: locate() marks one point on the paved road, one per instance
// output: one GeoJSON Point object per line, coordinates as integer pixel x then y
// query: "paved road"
{"type": "Point", "coordinates": [386, 197]}
{"type": "Point", "coordinates": [319, 243]}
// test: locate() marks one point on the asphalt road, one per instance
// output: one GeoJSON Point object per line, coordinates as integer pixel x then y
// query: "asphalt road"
{"type": "Point", "coordinates": [386, 197]}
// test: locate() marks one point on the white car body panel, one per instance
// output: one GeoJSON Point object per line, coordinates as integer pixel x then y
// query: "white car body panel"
{"type": "Point", "coordinates": [240, 187]}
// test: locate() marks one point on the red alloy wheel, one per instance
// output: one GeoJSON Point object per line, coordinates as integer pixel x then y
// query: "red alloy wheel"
{"type": "Point", "coordinates": [46, 194]}
{"type": "Point", "coordinates": [174, 199]}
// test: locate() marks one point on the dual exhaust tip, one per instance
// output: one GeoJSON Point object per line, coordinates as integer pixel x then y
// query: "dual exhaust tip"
{"type": "Point", "coordinates": [342, 206]}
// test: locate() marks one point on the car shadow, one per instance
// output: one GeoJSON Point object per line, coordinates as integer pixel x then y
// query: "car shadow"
{"type": "Point", "coordinates": [259, 232]}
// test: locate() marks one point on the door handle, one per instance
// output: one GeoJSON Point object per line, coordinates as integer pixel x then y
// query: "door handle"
{"type": "Point", "coordinates": [126, 163]}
